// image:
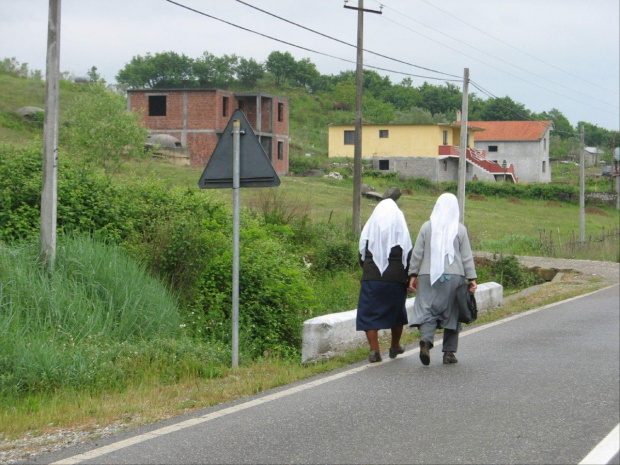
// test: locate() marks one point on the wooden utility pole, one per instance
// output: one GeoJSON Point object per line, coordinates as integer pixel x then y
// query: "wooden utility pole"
{"type": "Point", "coordinates": [357, 151]}
{"type": "Point", "coordinates": [463, 148]}
{"type": "Point", "coordinates": [582, 187]}
{"type": "Point", "coordinates": [49, 192]}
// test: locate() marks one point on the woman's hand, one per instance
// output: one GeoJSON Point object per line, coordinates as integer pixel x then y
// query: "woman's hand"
{"type": "Point", "coordinates": [413, 284]}
{"type": "Point", "coordinates": [473, 286]}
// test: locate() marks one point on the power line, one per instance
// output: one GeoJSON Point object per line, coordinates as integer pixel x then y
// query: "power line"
{"type": "Point", "coordinates": [489, 54]}
{"type": "Point", "coordinates": [500, 70]}
{"type": "Point", "coordinates": [518, 49]}
{"type": "Point", "coordinates": [302, 47]}
{"type": "Point", "coordinates": [343, 42]}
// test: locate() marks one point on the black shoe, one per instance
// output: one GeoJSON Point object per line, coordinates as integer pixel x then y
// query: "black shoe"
{"type": "Point", "coordinates": [448, 357]}
{"type": "Point", "coordinates": [425, 347]}
{"type": "Point", "coordinates": [374, 356]}
{"type": "Point", "coordinates": [394, 351]}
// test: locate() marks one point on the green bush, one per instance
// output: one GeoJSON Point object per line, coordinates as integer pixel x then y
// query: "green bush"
{"type": "Point", "coordinates": [509, 272]}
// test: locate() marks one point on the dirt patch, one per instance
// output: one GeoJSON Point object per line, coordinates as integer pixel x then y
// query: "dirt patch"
{"type": "Point", "coordinates": [553, 203]}
{"type": "Point", "coordinates": [596, 211]}
{"type": "Point", "coordinates": [407, 192]}
{"type": "Point", "coordinates": [477, 197]}
{"type": "Point", "coordinates": [515, 200]}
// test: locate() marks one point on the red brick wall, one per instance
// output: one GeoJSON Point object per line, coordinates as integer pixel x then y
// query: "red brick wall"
{"type": "Point", "coordinates": [205, 120]}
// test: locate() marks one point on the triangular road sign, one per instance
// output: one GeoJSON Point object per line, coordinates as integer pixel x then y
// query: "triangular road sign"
{"type": "Point", "coordinates": [256, 169]}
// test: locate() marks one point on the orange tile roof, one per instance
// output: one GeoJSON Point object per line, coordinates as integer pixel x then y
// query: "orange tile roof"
{"type": "Point", "coordinates": [510, 130]}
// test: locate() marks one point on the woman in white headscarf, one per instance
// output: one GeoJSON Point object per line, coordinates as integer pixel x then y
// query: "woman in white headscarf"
{"type": "Point", "coordinates": [385, 249]}
{"type": "Point", "coordinates": [441, 261]}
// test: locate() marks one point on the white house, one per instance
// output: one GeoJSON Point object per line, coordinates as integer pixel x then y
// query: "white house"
{"type": "Point", "coordinates": [524, 144]}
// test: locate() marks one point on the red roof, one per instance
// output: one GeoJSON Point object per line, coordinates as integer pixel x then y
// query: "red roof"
{"type": "Point", "coordinates": [510, 130]}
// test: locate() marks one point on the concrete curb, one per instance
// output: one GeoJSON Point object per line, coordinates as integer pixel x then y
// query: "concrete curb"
{"type": "Point", "coordinates": [328, 335]}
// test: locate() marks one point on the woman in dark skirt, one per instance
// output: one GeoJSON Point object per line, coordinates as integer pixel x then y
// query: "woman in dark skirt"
{"type": "Point", "coordinates": [385, 249]}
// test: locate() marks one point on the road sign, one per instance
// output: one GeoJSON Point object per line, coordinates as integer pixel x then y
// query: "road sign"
{"type": "Point", "coordinates": [256, 169]}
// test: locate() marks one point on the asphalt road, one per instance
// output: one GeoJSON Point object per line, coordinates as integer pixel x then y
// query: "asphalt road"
{"type": "Point", "coordinates": [538, 387]}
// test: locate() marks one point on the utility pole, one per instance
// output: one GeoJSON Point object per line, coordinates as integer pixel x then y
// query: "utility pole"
{"type": "Point", "coordinates": [582, 188]}
{"type": "Point", "coordinates": [463, 147]}
{"type": "Point", "coordinates": [49, 192]}
{"type": "Point", "coordinates": [357, 151]}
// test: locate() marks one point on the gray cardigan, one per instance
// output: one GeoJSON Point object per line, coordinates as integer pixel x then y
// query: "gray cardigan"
{"type": "Point", "coordinates": [463, 263]}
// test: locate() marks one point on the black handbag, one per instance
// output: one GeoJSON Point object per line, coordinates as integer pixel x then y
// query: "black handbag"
{"type": "Point", "coordinates": [466, 304]}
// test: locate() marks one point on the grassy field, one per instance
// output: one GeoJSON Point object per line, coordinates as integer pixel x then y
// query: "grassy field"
{"type": "Point", "coordinates": [498, 225]}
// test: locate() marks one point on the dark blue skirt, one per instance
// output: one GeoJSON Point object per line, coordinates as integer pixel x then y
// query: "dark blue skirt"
{"type": "Point", "coordinates": [381, 305]}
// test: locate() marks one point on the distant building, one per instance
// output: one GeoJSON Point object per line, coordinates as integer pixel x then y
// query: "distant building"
{"type": "Point", "coordinates": [197, 118]}
{"type": "Point", "coordinates": [591, 156]}
{"type": "Point", "coordinates": [419, 150]}
{"type": "Point", "coordinates": [524, 144]}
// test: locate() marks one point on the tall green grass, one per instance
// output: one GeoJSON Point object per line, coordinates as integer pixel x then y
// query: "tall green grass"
{"type": "Point", "coordinates": [96, 322]}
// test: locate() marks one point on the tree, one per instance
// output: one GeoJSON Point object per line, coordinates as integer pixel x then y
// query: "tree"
{"type": "Point", "coordinates": [282, 65]}
{"type": "Point", "coordinates": [100, 131]}
{"type": "Point", "coordinates": [562, 126]}
{"type": "Point", "coordinates": [167, 69]}
{"type": "Point", "coordinates": [94, 75]}
{"type": "Point", "coordinates": [306, 74]}
{"type": "Point", "coordinates": [249, 72]}
{"type": "Point", "coordinates": [212, 71]}
{"type": "Point", "coordinates": [504, 109]}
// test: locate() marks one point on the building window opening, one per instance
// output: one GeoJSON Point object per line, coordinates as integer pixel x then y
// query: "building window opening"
{"type": "Point", "coordinates": [384, 165]}
{"type": "Point", "coordinates": [157, 105]}
{"type": "Point", "coordinates": [492, 148]}
{"type": "Point", "coordinates": [445, 138]}
{"type": "Point", "coordinates": [224, 106]}
{"type": "Point", "coordinates": [280, 112]}
{"type": "Point", "coordinates": [349, 137]}
{"type": "Point", "coordinates": [384, 134]}
{"type": "Point", "coordinates": [544, 166]}
{"type": "Point", "coordinates": [280, 150]}
{"type": "Point", "coordinates": [445, 165]}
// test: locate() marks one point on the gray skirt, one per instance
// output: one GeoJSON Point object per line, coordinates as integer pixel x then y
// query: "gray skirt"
{"type": "Point", "coordinates": [437, 302]}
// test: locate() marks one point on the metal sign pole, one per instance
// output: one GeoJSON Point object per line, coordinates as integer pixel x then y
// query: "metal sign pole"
{"type": "Point", "coordinates": [235, 287]}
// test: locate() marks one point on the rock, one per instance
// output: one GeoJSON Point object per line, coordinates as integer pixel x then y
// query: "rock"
{"type": "Point", "coordinates": [393, 193]}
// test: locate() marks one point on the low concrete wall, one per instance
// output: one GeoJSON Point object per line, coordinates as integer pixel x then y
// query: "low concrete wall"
{"type": "Point", "coordinates": [328, 335]}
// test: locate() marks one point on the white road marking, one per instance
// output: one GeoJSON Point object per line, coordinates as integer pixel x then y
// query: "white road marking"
{"type": "Point", "coordinates": [605, 450]}
{"type": "Point", "coordinates": [278, 395]}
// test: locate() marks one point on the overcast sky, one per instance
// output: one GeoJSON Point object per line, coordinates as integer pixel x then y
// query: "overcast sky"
{"type": "Point", "coordinates": [544, 54]}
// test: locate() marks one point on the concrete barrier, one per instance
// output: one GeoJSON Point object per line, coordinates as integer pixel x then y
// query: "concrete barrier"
{"type": "Point", "coordinates": [328, 335]}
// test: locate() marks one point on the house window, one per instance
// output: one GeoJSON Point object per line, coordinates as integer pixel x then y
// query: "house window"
{"type": "Point", "coordinates": [280, 150]}
{"type": "Point", "coordinates": [544, 166]}
{"type": "Point", "coordinates": [445, 165]}
{"type": "Point", "coordinates": [545, 143]}
{"type": "Point", "coordinates": [492, 148]}
{"type": "Point", "coordinates": [384, 165]}
{"type": "Point", "coordinates": [224, 106]}
{"type": "Point", "coordinates": [241, 104]}
{"type": "Point", "coordinates": [280, 112]}
{"type": "Point", "coordinates": [384, 133]}
{"type": "Point", "coordinates": [467, 140]}
{"type": "Point", "coordinates": [445, 138]}
{"type": "Point", "coordinates": [349, 137]}
{"type": "Point", "coordinates": [157, 105]}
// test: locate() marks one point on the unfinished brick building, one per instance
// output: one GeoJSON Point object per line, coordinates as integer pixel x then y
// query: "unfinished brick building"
{"type": "Point", "coordinates": [197, 118]}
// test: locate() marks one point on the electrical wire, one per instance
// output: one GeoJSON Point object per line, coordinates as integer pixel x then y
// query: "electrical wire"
{"type": "Point", "coordinates": [343, 42]}
{"type": "Point", "coordinates": [306, 48]}
{"type": "Point", "coordinates": [489, 54]}
{"type": "Point", "coordinates": [518, 49]}
{"type": "Point", "coordinates": [503, 71]}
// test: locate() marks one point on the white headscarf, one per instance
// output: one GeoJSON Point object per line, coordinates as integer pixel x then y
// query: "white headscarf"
{"type": "Point", "coordinates": [444, 228]}
{"type": "Point", "coordinates": [386, 228]}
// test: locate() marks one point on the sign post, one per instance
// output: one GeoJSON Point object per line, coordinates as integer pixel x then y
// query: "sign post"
{"type": "Point", "coordinates": [238, 162]}
{"type": "Point", "coordinates": [235, 283]}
